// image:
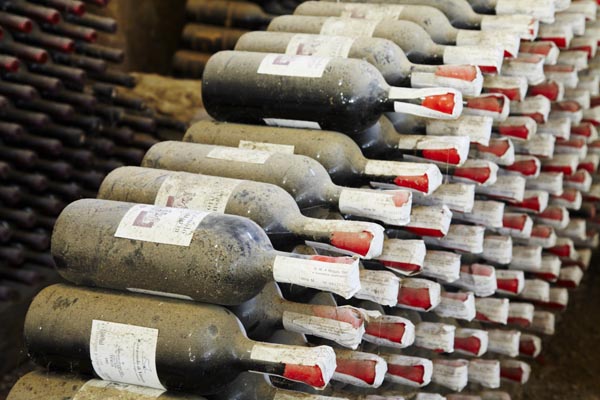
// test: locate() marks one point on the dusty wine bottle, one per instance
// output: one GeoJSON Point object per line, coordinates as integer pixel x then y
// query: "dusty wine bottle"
{"type": "Point", "coordinates": [253, 200]}
{"type": "Point", "coordinates": [54, 386]}
{"type": "Point", "coordinates": [383, 54]}
{"type": "Point", "coordinates": [461, 15]}
{"type": "Point", "coordinates": [308, 182]}
{"type": "Point", "coordinates": [431, 19]}
{"type": "Point", "coordinates": [341, 157]}
{"type": "Point", "coordinates": [227, 13]}
{"type": "Point", "coordinates": [184, 345]}
{"type": "Point", "coordinates": [183, 252]}
{"type": "Point", "coordinates": [410, 37]}
{"type": "Point", "coordinates": [240, 87]}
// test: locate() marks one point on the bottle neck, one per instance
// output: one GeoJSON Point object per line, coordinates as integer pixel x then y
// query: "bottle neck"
{"type": "Point", "coordinates": [310, 365]}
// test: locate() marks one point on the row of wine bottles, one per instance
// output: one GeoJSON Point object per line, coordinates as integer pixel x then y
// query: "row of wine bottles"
{"type": "Point", "coordinates": [423, 235]}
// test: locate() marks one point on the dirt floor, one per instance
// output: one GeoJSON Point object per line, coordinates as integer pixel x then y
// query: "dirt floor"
{"type": "Point", "coordinates": [570, 368]}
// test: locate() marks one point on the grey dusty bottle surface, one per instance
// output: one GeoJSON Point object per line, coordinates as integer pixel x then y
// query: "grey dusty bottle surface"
{"type": "Point", "coordinates": [341, 157]}
{"type": "Point", "coordinates": [384, 54]}
{"type": "Point", "coordinates": [347, 95]}
{"type": "Point", "coordinates": [211, 257]}
{"type": "Point", "coordinates": [268, 205]}
{"type": "Point", "coordinates": [53, 386]}
{"type": "Point", "coordinates": [182, 345]}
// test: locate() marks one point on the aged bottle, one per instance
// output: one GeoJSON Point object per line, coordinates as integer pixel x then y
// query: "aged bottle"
{"type": "Point", "coordinates": [242, 14]}
{"type": "Point", "coordinates": [341, 157]}
{"type": "Point", "coordinates": [160, 343]}
{"type": "Point", "coordinates": [461, 15]}
{"type": "Point", "coordinates": [208, 38]}
{"type": "Point", "coordinates": [268, 205]}
{"type": "Point", "coordinates": [307, 181]}
{"type": "Point", "coordinates": [211, 257]}
{"type": "Point", "coordinates": [431, 19]}
{"type": "Point", "coordinates": [271, 88]}
{"type": "Point", "coordinates": [410, 37]}
{"type": "Point", "coordinates": [384, 54]}
{"type": "Point", "coordinates": [53, 386]}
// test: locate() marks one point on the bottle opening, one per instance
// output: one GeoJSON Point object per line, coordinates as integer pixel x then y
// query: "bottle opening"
{"type": "Point", "coordinates": [415, 297]}
{"type": "Point", "coordinates": [470, 344]}
{"type": "Point", "coordinates": [550, 89]}
{"type": "Point", "coordinates": [496, 147]}
{"type": "Point", "coordinates": [521, 322]}
{"type": "Point", "coordinates": [487, 103]}
{"type": "Point", "coordinates": [512, 373]}
{"type": "Point", "coordinates": [524, 167]}
{"type": "Point", "coordinates": [508, 285]}
{"type": "Point", "coordinates": [392, 331]}
{"type": "Point", "coordinates": [443, 103]}
{"type": "Point", "coordinates": [516, 222]}
{"type": "Point", "coordinates": [513, 94]}
{"type": "Point", "coordinates": [420, 183]}
{"type": "Point", "coordinates": [365, 370]}
{"type": "Point", "coordinates": [311, 375]}
{"type": "Point", "coordinates": [479, 175]}
{"type": "Point", "coordinates": [414, 373]}
{"type": "Point", "coordinates": [356, 242]}
{"type": "Point", "coordinates": [462, 72]}
{"type": "Point", "coordinates": [342, 314]}
{"type": "Point", "coordinates": [449, 156]}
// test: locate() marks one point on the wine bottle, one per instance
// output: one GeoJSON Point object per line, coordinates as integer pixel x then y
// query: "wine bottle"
{"type": "Point", "coordinates": [383, 54]}
{"type": "Point", "coordinates": [410, 37]}
{"type": "Point", "coordinates": [189, 64]}
{"type": "Point", "coordinates": [341, 155]}
{"type": "Point", "coordinates": [349, 108]}
{"type": "Point", "coordinates": [269, 311]}
{"type": "Point", "coordinates": [435, 23]}
{"type": "Point", "coordinates": [54, 386]}
{"type": "Point", "coordinates": [308, 182]}
{"type": "Point", "coordinates": [201, 270]}
{"type": "Point", "coordinates": [253, 200]}
{"type": "Point", "coordinates": [190, 346]}
{"type": "Point", "coordinates": [461, 15]}
{"type": "Point", "coordinates": [227, 13]}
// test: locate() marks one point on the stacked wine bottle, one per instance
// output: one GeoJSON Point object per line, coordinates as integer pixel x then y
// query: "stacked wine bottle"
{"type": "Point", "coordinates": [66, 120]}
{"type": "Point", "coordinates": [369, 215]}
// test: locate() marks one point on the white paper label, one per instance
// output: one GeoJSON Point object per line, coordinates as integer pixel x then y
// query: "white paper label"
{"type": "Point", "coordinates": [478, 278]}
{"type": "Point", "coordinates": [505, 275]}
{"type": "Point", "coordinates": [430, 217]}
{"type": "Point", "coordinates": [435, 336]}
{"type": "Point", "coordinates": [506, 187]}
{"type": "Point", "coordinates": [263, 146]}
{"type": "Point", "coordinates": [165, 225]}
{"type": "Point", "coordinates": [377, 12]}
{"type": "Point", "coordinates": [483, 56]}
{"type": "Point", "coordinates": [291, 123]}
{"type": "Point", "coordinates": [504, 342]}
{"type": "Point", "coordinates": [321, 356]}
{"type": "Point", "coordinates": [453, 306]}
{"type": "Point", "coordinates": [240, 155]}
{"type": "Point", "coordinates": [485, 372]}
{"type": "Point", "coordinates": [507, 41]}
{"type": "Point", "coordinates": [407, 361]}
{"type": "Point", "coordinates": [411, 252]}
{"type": "Point", "coordinates": [485, 213]}
{"type": "Point", "coordinates": [523, 311]}
{"type": "Point", "coordinates": [494, 310]}
{"type": "Point", "coordinates": [536, 289]}
{"type": "Point", "coordinates": [452, 374]}
{"type": "Point", "coordinates": [343, 279]}
{"type": "Point", "coordinates": [527, 258]}
{"type": "Point", "coordinates": [477, 128]}
{"type": "Point", "coordinates": [540, 9]}
{"type": "Point", "coordinates": [125, 353]}
{"type": "Point", "coordinates": [478, 334]}
{"type": "Point", "coordinates": [340, 332]}
{"type": "Point", "coordinates": [377, 205]}
{"type": "Point", "coordinates": [194, 191]}
{"type": "Point", "coordinates": [288, 65]}
{"type": "Point", "coordinates": [380, 287]}
{"type": "Point", "coordinates": [497, 249]}
{"type": "Point", "coordinates": [525, 26]}
{"type": "Point", "coordinates": [350, 27]}
{"type": "Point", "coordinates": [92, 389]}
{"type": "Point", "coordinates": [442, 265]}
{"type": "Point", "coordinates": [461, 237]}
{"type": "Point", "coordinates": [543, 322]}
{"type": "Point", "coordinates": [319, 45]}
{"type": "Point", "coordinates": [380, 370]}
{"type": "Point", "coordinates": [408, 338]}
{"type": "Point", "coordinates": [456, 196]}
